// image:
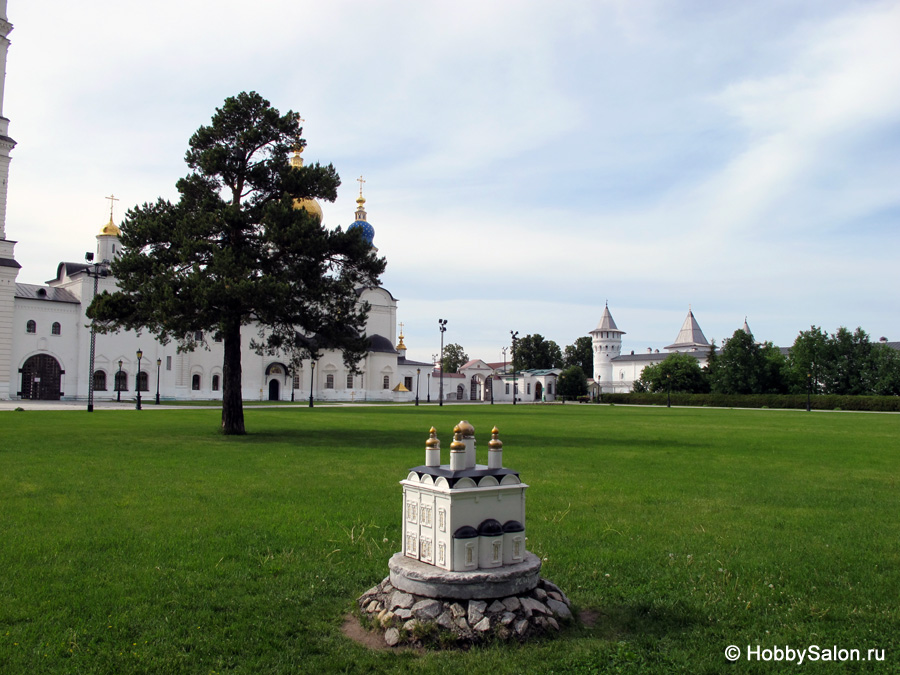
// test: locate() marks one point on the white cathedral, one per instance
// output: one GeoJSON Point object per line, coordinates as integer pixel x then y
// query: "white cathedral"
{"type": "Point", "coordinates": [45, 340]}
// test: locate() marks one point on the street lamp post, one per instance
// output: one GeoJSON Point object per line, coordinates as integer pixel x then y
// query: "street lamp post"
{"type": "Point", "coordinates": [158, 364]}
{"type": "Point", "coordinates": [137, 380]}
{"type": "Point", "coordinates": [434, 358]}
{"type": "Point", "coordinates": [119, 383]}
{"type": "Point", "coordinates": [442, 326]}
{"type": "Point", "coordinates": [418, 372]}
{"type": "Point", "coordinates": [503, 351]}
{"type": "Point", "coordinates": [515, 337]}
{"type": "Point", "coordinates": [95, 272]}
{"type": "Point", "coordinates": [312, 375]}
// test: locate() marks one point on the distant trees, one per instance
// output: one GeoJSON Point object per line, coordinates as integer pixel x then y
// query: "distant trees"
{"type": "Point", "coordinates": [805, 362]}
{"type": "Point", "coordinates": [572, 382]}
{"type": "Point", "coordinates": [676, 373]}
{"type": "Point", "coordinates": [533, 351]}
{"type": "Point", "coordinates": [745, 367]}
{"type": "Point", "coordinates": [454, 357]}
{"type": "Point", "coordinates": [843, 363]}
{"type": "Point", "coordinates": [580, 354]}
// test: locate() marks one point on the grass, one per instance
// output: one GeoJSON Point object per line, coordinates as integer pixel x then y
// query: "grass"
{"type": "Point", "coordinates": [149, 543]}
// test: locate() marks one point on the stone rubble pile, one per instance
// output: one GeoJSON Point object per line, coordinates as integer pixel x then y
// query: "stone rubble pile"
{"type": "Point", "coordinates": [404, 617]}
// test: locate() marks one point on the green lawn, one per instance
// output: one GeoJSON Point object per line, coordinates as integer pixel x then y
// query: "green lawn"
{"type": "Point", "coordinates": [149, 543]}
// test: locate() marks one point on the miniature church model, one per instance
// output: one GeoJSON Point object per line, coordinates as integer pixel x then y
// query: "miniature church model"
{"type": "Point", "coordinates": [464, 516]}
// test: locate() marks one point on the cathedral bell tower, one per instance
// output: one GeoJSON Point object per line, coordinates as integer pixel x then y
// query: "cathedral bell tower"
{"type": "Point", "coordinates": [9, 268]}
{"type": "Point", "coordinates": [606, 341]}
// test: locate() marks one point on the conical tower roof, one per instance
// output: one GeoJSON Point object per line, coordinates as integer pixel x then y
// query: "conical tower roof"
{"type": "Point", "coordinates": [690, 337]}
{"type": "Point", "coordinates": [607, 323]}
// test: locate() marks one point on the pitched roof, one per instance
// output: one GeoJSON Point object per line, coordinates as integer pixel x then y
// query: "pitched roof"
{"type": "Point", "coordinates": [690, 334]}
{"type": "Point", "coordinates": [48, 293]}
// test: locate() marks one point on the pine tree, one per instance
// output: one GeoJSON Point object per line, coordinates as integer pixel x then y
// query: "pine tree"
{"type": "Point", "coordinates": [234, 250]}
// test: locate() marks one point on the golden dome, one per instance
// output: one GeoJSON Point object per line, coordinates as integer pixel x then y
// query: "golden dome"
{"type": "Point", "coordinates": [311, 205]}
{"type": "Point", "coordinates": [432, 439]}
{"type": "Point", "coordinates": [457, 445]}
{"type": "Point", "coordinates": [495, 442]}
{"type": "Point", "coordinates": [468, 431]}
{"type": "Point", "coordinates": [110, 229]}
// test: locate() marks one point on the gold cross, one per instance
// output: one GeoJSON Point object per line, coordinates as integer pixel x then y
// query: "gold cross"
{"type": "Point", "coordinates": [112, 202]}
{"type": "Point", "coordinates": [401, 328]}
{"type": "Point", "coordinates": [360, 181]}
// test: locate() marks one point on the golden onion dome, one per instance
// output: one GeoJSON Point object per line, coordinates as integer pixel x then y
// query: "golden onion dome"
{"type": "Point", "coordinates": [468, 431]}
{"type": "Point", "coordinates": [311, 205]}
{"type": "Point", "coordinates": [110, 229]}
{"type": "Point", "coordinates": [432, 439]}
{"type": "Point", "coordinates": [495, 443]}
{"type": "Point", "coordinates": [457, 445]}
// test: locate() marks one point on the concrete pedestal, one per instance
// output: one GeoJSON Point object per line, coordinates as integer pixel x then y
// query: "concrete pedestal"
{"type": "Point", "coordinates": [412, 576]}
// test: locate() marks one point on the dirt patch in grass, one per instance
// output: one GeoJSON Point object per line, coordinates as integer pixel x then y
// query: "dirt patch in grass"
{"type": "Point", "coordinates": [588, 617]}
{"type": "Point", "coordinates": [367, 638]}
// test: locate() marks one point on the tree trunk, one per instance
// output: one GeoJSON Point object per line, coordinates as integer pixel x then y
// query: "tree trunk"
{"type": "Point", "coordinates": [232, 402]}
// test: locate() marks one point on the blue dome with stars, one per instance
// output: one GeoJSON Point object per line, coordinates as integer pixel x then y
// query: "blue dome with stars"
{"type": "Point", "coordinates": [367, 231]}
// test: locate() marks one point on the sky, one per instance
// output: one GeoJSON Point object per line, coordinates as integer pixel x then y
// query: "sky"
{"type": "Point", "coordinates": [526, 162]}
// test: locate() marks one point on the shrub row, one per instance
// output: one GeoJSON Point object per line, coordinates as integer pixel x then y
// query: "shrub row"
{"type": "Point", "coordinates": [797, 401]}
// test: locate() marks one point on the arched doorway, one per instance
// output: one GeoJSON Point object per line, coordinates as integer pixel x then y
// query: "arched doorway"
{"type": "Point", "coordinates": [538, 391]}
{"type": "Point", "coordinates": [41, 378]}
{"type": "Point", "coordinates": [274, 393]}
{"type": "Point", "coordinates": [475, 389]}
{"type": "Point", "coordinates": [460, 393]}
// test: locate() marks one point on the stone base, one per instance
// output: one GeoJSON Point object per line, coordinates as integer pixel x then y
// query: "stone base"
{"type": "Point", "coordinates": [412, 576]}
{"type": "Point", "coordinates": [410, 619]}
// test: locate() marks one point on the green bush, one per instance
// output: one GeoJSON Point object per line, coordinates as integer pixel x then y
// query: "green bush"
{"type": "Point", "coordinates": [782, 401]}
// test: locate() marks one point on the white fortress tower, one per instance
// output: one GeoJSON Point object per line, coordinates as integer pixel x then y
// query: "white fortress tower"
{"type": "Point", "coordinates": [9, 268]}
{"type": "Point", "coordinates": [606, 340]}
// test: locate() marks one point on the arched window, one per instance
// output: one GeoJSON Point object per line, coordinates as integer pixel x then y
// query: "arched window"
{"type": "Point", "coordinates": [143, 381]}
{"type": "Point", "coordinates": [329, 381]}
{"type": "Point", "coordinates": [215, 383]}
{"type": "Point", "coordinates": [296, 379]}
{"type": "Point", "coordinates": [198, 336]}
{"type": "Point", "coordinates": [349, 380]}
{"type": "Point", "coordinates": [121, 380]}
{"type": "Point", "coordinates": [56, 329]}
{"type": "Point", "coordinates": [99, 380]}
{"type": "Point", "coordinates": [195, 382]}
{"type": "Point", "coordinates": [387, 382]}
{"type": "Point", "coordinates": [31, 326]}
